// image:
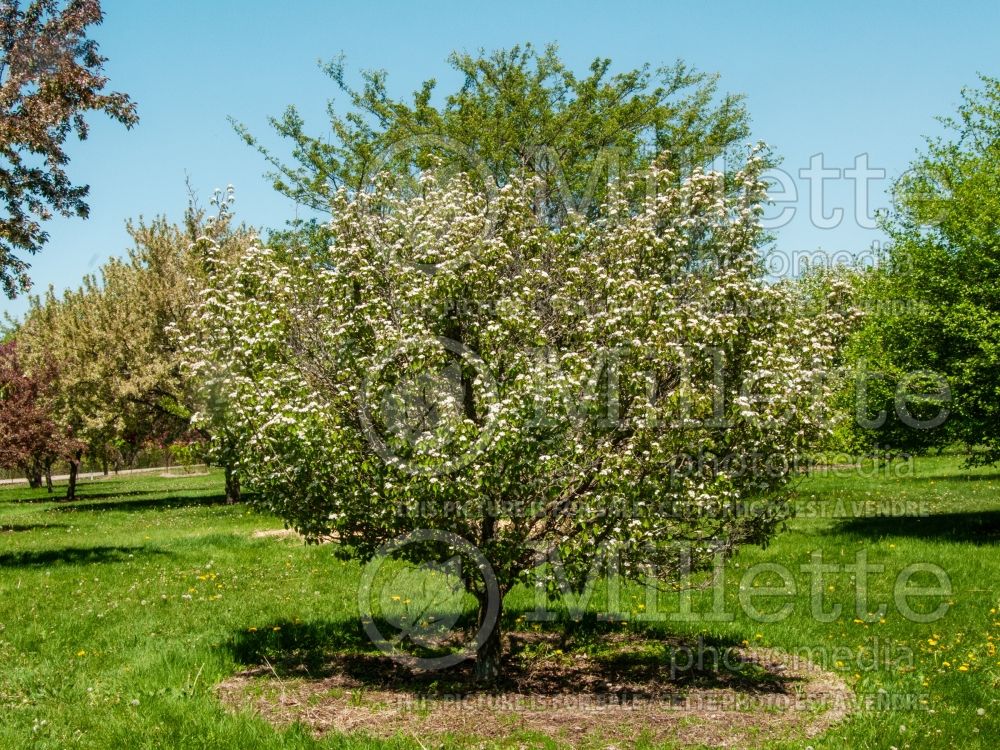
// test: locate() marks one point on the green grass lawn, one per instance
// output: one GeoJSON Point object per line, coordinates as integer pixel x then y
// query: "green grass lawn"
{"type": "Point", "coordinates": [120, 612]}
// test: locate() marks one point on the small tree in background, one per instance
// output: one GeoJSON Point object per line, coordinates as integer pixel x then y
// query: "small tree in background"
{"type": "Point", "coordinates": [50, 79]}
{"type": "Point", "coordinates": [30, 439]}
{"type": "Point", "coordinates": [118, 385]}
{"type": "Point", "coordinates": [931, 342]}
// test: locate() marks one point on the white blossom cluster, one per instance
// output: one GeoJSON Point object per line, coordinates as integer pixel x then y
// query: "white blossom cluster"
{"type": "Point", "coordinates": [453, 362]}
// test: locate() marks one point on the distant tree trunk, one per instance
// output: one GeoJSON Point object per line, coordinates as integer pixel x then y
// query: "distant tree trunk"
{"type": "Point", "coordinates": [232, 485]}
{"type": "Point", "coordinates": [48, 475]}
{"type": "Point", "coordinates": [74, 469]}
{"type": "Point", "coordinates": [104, 466]}
{"type": "Point", "coordinates": [33, 473]}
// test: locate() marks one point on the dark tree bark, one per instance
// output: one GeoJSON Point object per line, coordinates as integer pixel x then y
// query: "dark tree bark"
{"type": "Point", "coordinates": [488, 654]}
{"type": "Point", "coordinates": [74, 470]}
{"type": "Point", "coordinates": [48, 476]}
{"type": "Point", "coordinates": [33, 472]}
{"type": "Point", "coordinates": [232, 485]}
{"type": "Point", "coordinates": [487, 668]}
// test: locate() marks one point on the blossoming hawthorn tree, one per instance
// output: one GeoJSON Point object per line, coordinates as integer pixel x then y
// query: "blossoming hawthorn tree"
{"type": "Point", "coordinates": [625, 383]}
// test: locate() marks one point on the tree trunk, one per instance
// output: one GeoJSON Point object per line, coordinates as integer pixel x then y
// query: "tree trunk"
{"type": "Point", "coordinates": [232, 485]}
{"type": "Point", "coordinates": [490, 650]}
{"type": "Point", "coordinates": [33, 472]}
{"type": "Point", "coordinates": [74, 469]}
{"type": "Point", "coordinates": [487, 669]}
{"type": "Point", "coordinates": [48, 476]}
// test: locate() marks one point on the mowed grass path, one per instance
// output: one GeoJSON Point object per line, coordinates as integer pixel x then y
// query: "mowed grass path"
{"type": "Point", "coordinates": [120, 612]}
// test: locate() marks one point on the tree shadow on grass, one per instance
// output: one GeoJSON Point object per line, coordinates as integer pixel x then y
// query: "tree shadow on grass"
{"type": "Point", "coordinates": [972, 527]}
{"type": "Point", "coordinates": [134, 502]}
{"type": "Point", "coordinates": [74, 556]}
{"type": "Point", "coordinates": [992, 476]}
{"type": "Point", "coordinates": [300, 648]}
{"type": "Point", "coordinates": [598, 658]}
{"type": "Point", "coordinates": [16, 527]}
{"type": "Point", "coordinates": [82, 494]}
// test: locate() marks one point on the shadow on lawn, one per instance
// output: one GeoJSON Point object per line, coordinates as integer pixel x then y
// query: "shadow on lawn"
{"type": "Point", "coordinates": [991, 476]}
{"type": "Point", "coordinates": [135, 501]}
{"type": "Point", "coordinates": [975, 527]}
{"type": "Point", "coordinates": [74, 556]}
{"type": "Point", "coordinates": [59, 494]}
{"type": "Point", "coordinates": [15, 527]}
{"type": "Point", "coordinates": [598, 657]}
{"type": "Point", "coordinates": [299, 646]}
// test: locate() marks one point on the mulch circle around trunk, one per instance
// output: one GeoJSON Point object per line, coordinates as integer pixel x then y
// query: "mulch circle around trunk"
{"type": "Point", "coordinates": [628, 688]}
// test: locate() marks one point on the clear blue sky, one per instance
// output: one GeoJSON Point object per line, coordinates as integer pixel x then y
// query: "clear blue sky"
{"type": "Point", "coordinates": [842, 79]}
